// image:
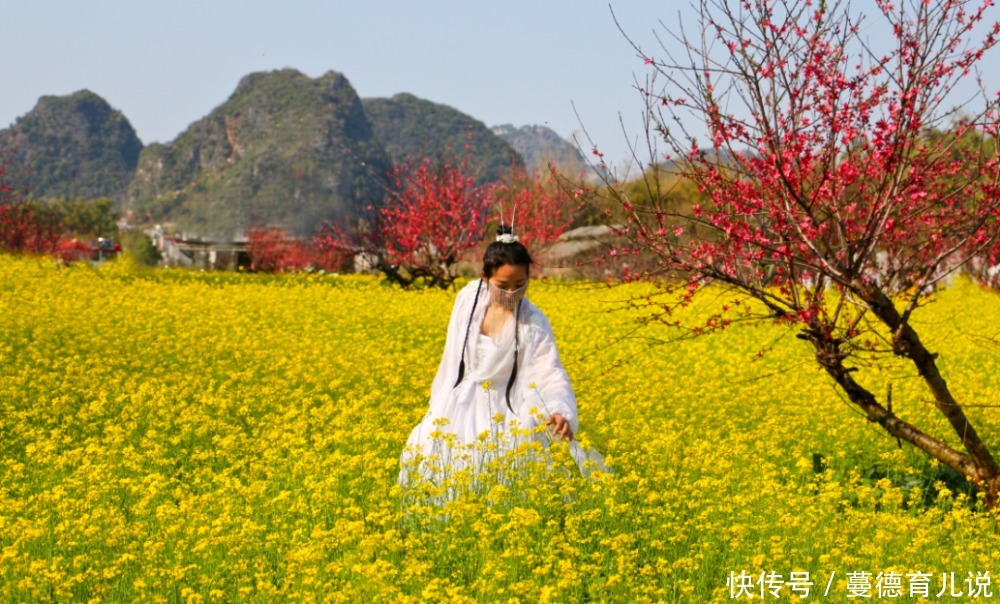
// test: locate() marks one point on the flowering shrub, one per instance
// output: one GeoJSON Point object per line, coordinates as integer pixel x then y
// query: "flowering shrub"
{"type": "Point", "coordinates": [24, 228]}
{"type": "Point", "coordinates": [438, 215]}
{"type": "Point", "coordinates": [272, 250]}
{"type": "Point", "coordinates": [435, 215]}
{"type": "Point", "coordinates": [542, 205]}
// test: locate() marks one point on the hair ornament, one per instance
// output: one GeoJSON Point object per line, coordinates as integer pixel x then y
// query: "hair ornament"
{"type": "Point", "coordinates": [505, 234]}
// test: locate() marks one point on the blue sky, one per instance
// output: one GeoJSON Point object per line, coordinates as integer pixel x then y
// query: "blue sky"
{"type": "Point", "coordinates": [167, 64]}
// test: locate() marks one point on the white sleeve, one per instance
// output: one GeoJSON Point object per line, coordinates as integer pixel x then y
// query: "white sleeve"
{"type": "Point", "coordinates": [549, 377]}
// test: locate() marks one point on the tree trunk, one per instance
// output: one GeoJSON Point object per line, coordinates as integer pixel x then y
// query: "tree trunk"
{"type": "Point", "coordinates": [906, 343]}
{"type": "Point", "coordinates": [879, 414]}
{"type": "Point", "coordinates": [978, 464]}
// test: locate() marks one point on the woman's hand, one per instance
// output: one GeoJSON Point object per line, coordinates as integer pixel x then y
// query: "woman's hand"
{"type": "Point", "coordinates": [560, 426]}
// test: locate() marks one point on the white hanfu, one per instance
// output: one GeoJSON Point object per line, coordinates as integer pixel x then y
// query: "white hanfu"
{"type": "Point", "coordinates": [468, 412]}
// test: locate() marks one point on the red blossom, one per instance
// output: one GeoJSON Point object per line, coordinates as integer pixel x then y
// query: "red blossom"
{"type": "Point", "coordinates": [827, 168]}
{"type": "Point", "coordinates": [435, 215]}
{"type": "Point", "coordinates": [272, 250]}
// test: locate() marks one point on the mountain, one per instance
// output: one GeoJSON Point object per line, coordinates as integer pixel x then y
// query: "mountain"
{"type": "Point", "coordinates": [540, 146]}
{"type": "Point", "coordinates": [72, 146]}
{"type": "Point", "coordinates": [284, 150]}
{"type": "Point", "coordinates": [409, 127]}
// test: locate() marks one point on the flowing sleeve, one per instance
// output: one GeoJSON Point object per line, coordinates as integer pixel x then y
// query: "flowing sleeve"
{"type": "Point", "coordinates": [547, 374]}
{"type": "Point", "coordinates": [447, 371]}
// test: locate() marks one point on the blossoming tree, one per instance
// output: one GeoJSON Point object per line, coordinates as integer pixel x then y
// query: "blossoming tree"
{"type": "Point", "coordinates": [438, 214]}
{"type": "Point", "coordinates": [24, 227]}
{"type": "Point", "coordinates": [543, 204]}
{"type": "Point", "coordinates": [434, 214]}
{"type": "Point", "coordinates": [839, 191]}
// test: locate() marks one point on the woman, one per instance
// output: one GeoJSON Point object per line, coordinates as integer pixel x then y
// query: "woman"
{"type": "Point", "coordinates": [499, 378]}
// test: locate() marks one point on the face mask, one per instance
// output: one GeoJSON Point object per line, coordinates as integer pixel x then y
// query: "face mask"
{"type": "Point", "coordinates": [505, 298]}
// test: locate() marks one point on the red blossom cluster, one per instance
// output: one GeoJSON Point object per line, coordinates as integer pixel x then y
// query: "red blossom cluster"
{"type": "Point", "coordinates": [839, 188]}
{"type": "Point", "coordinates": [272, 250]}
{"type": "Point", "coordinates": [22, 228]}
{"type": "Point", "coordinates": [541, 203]}
{"type": "Point", "coordinates": [829, 164]}
{"type": "Point", "coordinates": [437, 214]}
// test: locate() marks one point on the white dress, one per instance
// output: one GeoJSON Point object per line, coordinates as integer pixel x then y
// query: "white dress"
{"type": "Point", "coordinates": [470, 424]}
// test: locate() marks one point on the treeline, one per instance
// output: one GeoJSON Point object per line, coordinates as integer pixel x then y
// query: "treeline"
{"type": "Point", "coordinates": [65, 228]}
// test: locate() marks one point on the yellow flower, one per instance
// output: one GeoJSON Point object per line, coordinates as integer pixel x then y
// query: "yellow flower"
{"type": "Point", "coordinates": [221, 457]}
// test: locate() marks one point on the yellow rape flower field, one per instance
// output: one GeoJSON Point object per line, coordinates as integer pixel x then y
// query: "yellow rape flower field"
{"type": "Point", "coordinates": [174, 436]}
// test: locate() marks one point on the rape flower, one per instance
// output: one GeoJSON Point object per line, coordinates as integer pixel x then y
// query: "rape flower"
{"type": "Point", "coordinates": [214, 453]}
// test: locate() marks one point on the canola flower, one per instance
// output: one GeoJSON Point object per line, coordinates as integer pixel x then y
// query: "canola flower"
{"type": "Point", "coordinates": [172, 436]}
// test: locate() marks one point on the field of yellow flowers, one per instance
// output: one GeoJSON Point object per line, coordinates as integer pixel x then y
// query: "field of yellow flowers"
{"type": "Point", "coordinates": [199, 437]}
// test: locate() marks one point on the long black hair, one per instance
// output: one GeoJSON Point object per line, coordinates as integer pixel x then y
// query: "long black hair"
{"type": "Point", "coordinates": [498, 254]}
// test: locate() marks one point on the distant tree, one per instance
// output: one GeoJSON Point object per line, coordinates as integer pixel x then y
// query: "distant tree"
{"type": "Point", "coordinates": [836, 197]}
{"type": "Point", "coordinates": [87, 218]}
{"type": "Point", "coordinates": [435, 214]}
{"type": "Point", "coordinates": [273, 250]}
{"type": "Point", "coordinates": [542, 204]}
{"type": "Point", "coordinates": [25, 227]}
{"type": "Point", "coordinates": [139, 246]}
